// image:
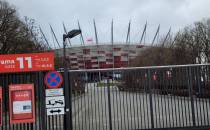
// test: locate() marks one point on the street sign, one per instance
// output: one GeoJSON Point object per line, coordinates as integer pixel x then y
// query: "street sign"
{"type": "Point", "coordinates": [26, 62]}
{"type": "Point", "coordinates": [55, 111]}
{"type": "Point", "coordinates": [55, 102]}
{"type": "Point", "coordinates": [53, 79]}
{"type": "Point", "coordinates": [54, 92]}
{"type": "Point", "coordinates": [21, 103]}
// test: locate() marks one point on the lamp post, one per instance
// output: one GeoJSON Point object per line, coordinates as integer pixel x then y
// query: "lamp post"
{"type": "Point", "coordinates": [67, 88]}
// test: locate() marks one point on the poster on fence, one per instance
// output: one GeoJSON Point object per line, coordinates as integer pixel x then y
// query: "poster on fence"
{"type": "Point", "coordinates": [22, 104]}
{"type": "Point", "coordinates": [1, 104]}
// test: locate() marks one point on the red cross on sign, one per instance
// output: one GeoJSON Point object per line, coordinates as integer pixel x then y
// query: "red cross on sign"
{"type": "Point", "coordinates": [53, 79]}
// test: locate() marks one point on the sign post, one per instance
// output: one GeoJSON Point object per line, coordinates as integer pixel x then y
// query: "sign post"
{"type": "Point", "coordinates": [55, 101]}
{"type": "Point", "coordinates": [21, 103]}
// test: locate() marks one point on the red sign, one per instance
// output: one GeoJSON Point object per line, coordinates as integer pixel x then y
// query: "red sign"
{"type": "Point", "coordinates": [22, 105]}
{"type": "Point", "coordinates": [1, 103]}
{"type": "Point", "coordinates": [27, 62]}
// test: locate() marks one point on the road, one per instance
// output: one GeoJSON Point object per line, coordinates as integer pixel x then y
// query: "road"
{"type": "Point", "coordinates": [132, 110]}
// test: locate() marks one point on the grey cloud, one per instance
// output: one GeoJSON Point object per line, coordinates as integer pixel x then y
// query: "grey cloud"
{"type": "Point", "coordinates": [174, 13]}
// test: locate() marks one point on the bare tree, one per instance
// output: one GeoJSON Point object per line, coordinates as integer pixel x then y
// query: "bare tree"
{"type": "Point", "coordinates": [189, 46]}
{"type": "Point", "coordinates": [17, 36]}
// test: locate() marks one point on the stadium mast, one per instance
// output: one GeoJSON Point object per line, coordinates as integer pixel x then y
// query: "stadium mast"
{"type": "Point", "coordinates": [128, 41]}
{"type": "Point", "coordinates": [64, 28]}
{"type": "Point", "coordinates": [158, 30]}
{"type": "Point", "coordinates": [112, 41]}
{"type": "Point", "coordinates": [167, 35]}
{"type": "Point", "coordinates": [128, 33]}
{"type": "Point", "coordinates": [112, 34]}
{"type": "Point", "coordinates": [55, 36]}
{"type": "Point", "coordinates": [96, 38]}
{"type": "Point", "coordinates": [82, 43]}
{"type": "Point", "coordinates": [143, 33]}
{"type": "Point", "coordinates": [53, 41]}
{"type": "Point", "coordinates": [96, 34]}
{"type": "Point", "coordinates": [81, 36]}
{"type": "Point", "coordinates": [45, 38]}
{"type": "Point", "coordinates": [177, 35]}
{"type": "Point", "coordinates": [36, 40]}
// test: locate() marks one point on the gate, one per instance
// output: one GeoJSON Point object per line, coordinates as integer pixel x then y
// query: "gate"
{"type": "Point", "coordinates": [141, 98]}
{"type": "Point", "coordinates": [122, 99]}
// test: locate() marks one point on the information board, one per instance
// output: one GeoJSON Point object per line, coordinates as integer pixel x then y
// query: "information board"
{"type": "Point", "coordinates": [22, 105]}
{"type": "Point", "coordinates": [27, 62]}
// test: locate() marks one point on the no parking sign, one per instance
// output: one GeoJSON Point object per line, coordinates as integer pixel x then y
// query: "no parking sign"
{"type": "Point", "coordinates": [55, 101]}
{"type": "Point", "coordinates": [53, 79]}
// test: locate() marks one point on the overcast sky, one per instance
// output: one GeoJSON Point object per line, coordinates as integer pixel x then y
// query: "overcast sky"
{"type": "Point", "coordinates": [168, 13]}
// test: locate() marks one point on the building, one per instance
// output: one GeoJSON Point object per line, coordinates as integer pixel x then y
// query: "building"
{"type": "Point", "coordinates": [101, 55]}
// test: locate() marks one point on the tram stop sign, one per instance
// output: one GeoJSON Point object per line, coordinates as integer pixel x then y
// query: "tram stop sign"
{"type": "Point", "coordinates": [53, 79]}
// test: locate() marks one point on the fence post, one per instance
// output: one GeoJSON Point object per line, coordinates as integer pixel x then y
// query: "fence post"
{"type": "Point", "coordinates": [150, 98]}
{"type": "Point", "coordinates": [42, 117]}
{"type": "Point", "coordinates": [68, 122]}
{"type": "Point", "coordinates": [109, 104]}
{"type": "Point", "coordinates": [191, 94]}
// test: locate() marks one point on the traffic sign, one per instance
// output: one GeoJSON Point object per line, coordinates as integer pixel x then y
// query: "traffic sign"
{"type": "Point", "coordinates": [53, 79]}
{"type": "Point", "coordinates": [54, 92]}
{"type": "Point", "coordinates": [55, 102]}
{"type": "Point", "coordinates": [55, 111]}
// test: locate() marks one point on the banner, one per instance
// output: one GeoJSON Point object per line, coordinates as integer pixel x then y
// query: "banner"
{"type": "Point", "coordinates": [26, 62]}
{"type": "Point", "coordinates": [22, 105]}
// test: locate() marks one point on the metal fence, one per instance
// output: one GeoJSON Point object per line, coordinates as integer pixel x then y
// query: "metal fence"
{"type": "Point", "coordinates": [123, 99]}
{"type": "Point", "coordinates": [142, 98]}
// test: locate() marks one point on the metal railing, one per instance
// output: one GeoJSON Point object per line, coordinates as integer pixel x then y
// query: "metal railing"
{"type": "Point", "coordinates": [123, 99]}
{"type": "Point", "coordinates": [142, 98]}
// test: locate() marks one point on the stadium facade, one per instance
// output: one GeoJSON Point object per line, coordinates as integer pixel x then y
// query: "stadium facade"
{"type": "Point", "coordinates": [101, 55]}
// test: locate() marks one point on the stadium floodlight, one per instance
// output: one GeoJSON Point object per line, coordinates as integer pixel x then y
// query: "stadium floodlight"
{"type": "Point", "coordinates": [71, 34]}
{"type": "Point", "coordinates": [67, 88]}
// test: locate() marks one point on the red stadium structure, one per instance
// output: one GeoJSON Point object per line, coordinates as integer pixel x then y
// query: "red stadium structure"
{"type": "Point", "coordinates": [102, 55]}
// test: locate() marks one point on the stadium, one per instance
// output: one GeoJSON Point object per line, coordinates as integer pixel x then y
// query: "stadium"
{"type": "Point", "coordinates": [97, 56]}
